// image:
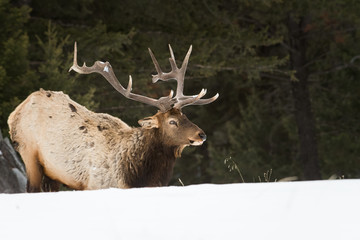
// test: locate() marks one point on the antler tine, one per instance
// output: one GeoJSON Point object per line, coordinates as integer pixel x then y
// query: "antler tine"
{"type": "Point", "coordinates": [179, 76]}
{"type": "Point", "coordinates": [172, 53]}
{"type": "Point", "coordinates": [75, 65]}
{"type": "Point", "coordinates": [75, 58]}
{"type": "Point", "coordinates": [163, 75]}
{"type": "Point", "coordinates": [156, 77]}
{"type": "Point", "coordinates": [195, 100]}
{"type": "Point", "coordinates": [105, 69]}
{"type": "Point", "coordinates": [189, 101]}
{"type": "Point", "coordinates": [206, 101]}
{"type": "Point", "coordinates": [172, 61]}
{"type": "Point", "coordinates": [175, 73]}
{"type": "Point", "coordinates": [129, 87]}
{"type": "Point", "coordinates": [180, 83]}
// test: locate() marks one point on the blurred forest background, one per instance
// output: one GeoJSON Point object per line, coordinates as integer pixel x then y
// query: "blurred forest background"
{"type": "Point", "coordinates": [287, 73]}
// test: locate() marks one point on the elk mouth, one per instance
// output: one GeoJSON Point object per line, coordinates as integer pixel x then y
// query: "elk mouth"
{"type": "Point", "coordinates": [195, 143]}
{"type": "Point", "coordinates": [200, 139]}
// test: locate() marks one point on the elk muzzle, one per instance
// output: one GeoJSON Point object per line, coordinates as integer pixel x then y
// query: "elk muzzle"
{"type": "Point", "coordinates": [199, 139]}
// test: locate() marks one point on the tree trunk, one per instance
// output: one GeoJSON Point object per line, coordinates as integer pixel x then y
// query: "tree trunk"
{"type": "Point", "coordinates": [308, 149]}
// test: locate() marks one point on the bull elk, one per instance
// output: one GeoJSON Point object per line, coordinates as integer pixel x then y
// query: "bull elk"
{"type": "Point", "coordinates": [61, 141]}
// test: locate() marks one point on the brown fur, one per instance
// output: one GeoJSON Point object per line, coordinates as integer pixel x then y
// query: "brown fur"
{"type": "Point", "coordinates": [67, 143]}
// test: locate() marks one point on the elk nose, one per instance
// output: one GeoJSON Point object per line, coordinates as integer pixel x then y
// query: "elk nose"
{"type": "Point", "coordinates": [202, 136]}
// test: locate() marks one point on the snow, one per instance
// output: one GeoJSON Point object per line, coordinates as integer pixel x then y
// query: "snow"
{"type": "Point", "coordinates": [291, 210]}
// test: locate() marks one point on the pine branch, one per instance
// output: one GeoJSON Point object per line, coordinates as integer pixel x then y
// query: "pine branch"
{"type": "Point", "coordinates": [337, 68]}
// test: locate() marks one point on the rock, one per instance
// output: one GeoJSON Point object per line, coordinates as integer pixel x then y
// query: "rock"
{"type": "Point", "coordinates": [12, 171]}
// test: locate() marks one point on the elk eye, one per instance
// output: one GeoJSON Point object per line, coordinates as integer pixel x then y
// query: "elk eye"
{"type": "Point", "coordinates": [173, 122]}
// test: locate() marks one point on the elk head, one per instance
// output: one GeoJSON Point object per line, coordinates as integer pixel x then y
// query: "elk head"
{"type": "Point", "coordinates": [176, 129]}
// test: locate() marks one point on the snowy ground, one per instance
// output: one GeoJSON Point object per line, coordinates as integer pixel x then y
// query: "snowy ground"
{"type": "Point", "coordinates": [297, 210]}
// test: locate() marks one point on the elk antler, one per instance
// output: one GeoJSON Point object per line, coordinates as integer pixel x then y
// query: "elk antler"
{"type": "Point", "coordinates": [163, 103]}
{"type": "Point", "coordinates": [105, 69]}
{"type": "Point", "coordinates": [179, 75]}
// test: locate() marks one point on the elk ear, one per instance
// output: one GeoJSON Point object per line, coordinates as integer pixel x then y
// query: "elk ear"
{"type": "Point", "coordinates": [149, 122]}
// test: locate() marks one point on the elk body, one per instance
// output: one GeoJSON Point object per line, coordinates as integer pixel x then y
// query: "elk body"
{"type": "Point", "coordinates": [61, 141]}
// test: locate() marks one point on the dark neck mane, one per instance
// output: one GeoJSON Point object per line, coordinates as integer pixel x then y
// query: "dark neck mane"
{"type": "Point", "coordinates": [154, 161]}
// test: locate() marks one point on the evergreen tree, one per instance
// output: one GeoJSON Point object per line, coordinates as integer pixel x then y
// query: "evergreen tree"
{"type": "Point", "coordinates": [16, 77]}
{"type": "Point", "coordinates": [286, 72]}
{"type": "Point", "coordinates": [317, 37]}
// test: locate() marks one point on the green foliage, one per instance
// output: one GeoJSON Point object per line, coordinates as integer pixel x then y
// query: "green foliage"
{"type": "Point", "coordinates": [241, 49]}
{"type": "Point", "coordinates": [338, 113]}
{"type": "Point", "coordinates": [15, 75]}
{"type": "Point", "coordinates": [53, 66]}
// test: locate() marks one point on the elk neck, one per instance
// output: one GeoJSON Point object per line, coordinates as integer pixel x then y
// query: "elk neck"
{"type": "Point", "coordinates": [160, 144]}
{"type": "Point", "coordinates": [155, 160]}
